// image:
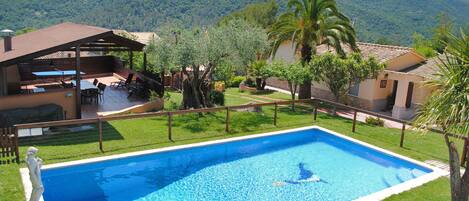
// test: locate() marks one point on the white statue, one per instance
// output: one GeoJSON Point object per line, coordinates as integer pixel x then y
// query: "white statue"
{"type": "Point", "coordinates": [34, 166]}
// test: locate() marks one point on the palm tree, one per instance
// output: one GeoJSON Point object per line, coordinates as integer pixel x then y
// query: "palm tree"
{"type": "Point", "coordinates": [309, 23]}
{"type": "Point", "coordinates": [448, 107]}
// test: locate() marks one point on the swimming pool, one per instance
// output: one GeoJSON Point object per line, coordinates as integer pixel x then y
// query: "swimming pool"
{"type": "Point", "coordinates": [309, 163]}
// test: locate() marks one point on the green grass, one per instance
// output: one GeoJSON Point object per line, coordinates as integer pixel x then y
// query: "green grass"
{"type": "Point", "coordinates": [149, 133]}
{"type": "Point", "coordinates": [437, 190]}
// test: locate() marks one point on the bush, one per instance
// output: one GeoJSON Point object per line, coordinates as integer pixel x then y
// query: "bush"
{"type": "Point", "coordinates": [374, 121]}
{"type": "Point", "coordinates": [219, 86]}
{"type": "Point", "coordinates": [235, 81]}
{"type": "Point", "coordinates": [217, 97]}
{"type": "Point", "coordinates": [250, 82]}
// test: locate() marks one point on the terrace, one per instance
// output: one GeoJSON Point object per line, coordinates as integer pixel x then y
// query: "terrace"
{"type": "Point", "coordinates": [48, 68]}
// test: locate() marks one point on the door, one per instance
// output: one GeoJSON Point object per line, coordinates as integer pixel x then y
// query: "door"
{"type": "Point", "coordinates": [392, 98]}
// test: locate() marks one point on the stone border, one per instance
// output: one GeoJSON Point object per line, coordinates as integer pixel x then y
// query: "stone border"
{"type": "Point", "coordinates": [380, 195]}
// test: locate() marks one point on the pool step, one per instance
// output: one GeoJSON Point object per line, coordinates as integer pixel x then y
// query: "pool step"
{"type": "Point", "coordinates": [442, 165]}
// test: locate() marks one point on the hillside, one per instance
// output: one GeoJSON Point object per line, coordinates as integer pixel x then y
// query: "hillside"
{"type": "Point", "coordinates": [395, 20]}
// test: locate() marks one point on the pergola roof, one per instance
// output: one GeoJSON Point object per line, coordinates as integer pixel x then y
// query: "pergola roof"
{"type": "Point", "coordinates": [64, 37]}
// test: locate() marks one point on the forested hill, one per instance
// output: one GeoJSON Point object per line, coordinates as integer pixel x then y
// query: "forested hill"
{"type": "Point", "coordinates": [395, 20]}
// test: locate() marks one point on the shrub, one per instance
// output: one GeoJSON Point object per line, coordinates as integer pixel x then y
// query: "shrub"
{"type": "Point", "coordinates": [219, 86]}
{"type": "Point", "coordinates": [217, 97]}
{"type": "Point", "coordinates": [235, 81]}
{"type": "Point", "coordinates": [249, 82]}
{"type": "Point", "coordinates": [374, 121]}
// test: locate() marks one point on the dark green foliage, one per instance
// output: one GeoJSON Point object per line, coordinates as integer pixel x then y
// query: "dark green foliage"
{"type": "Point", "coordinates": [261, 14]}
{"type": "Point", "coordinates": [217, 97]}
{"type": "Point", "coordinates": [249, 82]}
{"type": "Point", "coordinates": [235, 81]}
{"type": "Point", "coordinates": [374, 121]}
{"type": "Point", "coordinates": [395, 20]}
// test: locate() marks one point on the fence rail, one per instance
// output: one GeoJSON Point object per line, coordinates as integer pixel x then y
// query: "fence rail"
{"type": "Point", "coordinates": [9, 151]}
{"type": "Point", "coordinates": [315, 102]}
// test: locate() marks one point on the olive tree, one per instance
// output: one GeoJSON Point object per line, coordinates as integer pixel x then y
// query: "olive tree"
{"type": "Point", "coordinates": [197, 53]}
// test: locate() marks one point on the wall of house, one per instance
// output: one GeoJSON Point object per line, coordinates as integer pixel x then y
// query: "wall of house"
{"type": "Point", "coordinates": [3, 82]}
{"type": "Point", "coordinates": [13, 80]}
{"type": "Point", "coordinates": [285, 53]}
{"type": "Point", "coordinates": [63, 97]}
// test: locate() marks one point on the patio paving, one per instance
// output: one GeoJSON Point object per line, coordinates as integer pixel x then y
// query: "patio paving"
{"type": "Point", "coordinates": [114, 99]}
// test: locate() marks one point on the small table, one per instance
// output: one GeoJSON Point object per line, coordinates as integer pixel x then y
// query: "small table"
{"type": "Point", "coordinates": [56, 73]}
{"type": "Point", "coordinates": [85, 84]}
{"type": "Point", "coordinates": [39, 90]}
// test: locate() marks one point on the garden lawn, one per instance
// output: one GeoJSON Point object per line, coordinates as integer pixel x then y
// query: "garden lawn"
{"type": "Point", "coordinates": [148, 133]}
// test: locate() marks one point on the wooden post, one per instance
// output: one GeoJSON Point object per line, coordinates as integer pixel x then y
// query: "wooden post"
{"type": "Point", "coordinates": [354, 120]}
{"type": "Point", "coordinates": [170, 119]}
{"type": "Point", "coordinates": [100, 134]}
{"type": "Point", "coordinates": [315, 111]}
{"type": "Point", "coordinates": [464, 152]}
{"type": "Point", "coordinates": [131, 60]}
{"type": "Point", "coordinates": [402, 135]}
{"type": "Point", "coordinates": [275, 114]}
{"type": "Point", "coordinates": [17, 147]}
{"type": "Point", "coordinates": [78, 81]}
{"type": "Point", "coordinates": [144, 61]}
{"type": "Point", "coordinates": [227, 120]}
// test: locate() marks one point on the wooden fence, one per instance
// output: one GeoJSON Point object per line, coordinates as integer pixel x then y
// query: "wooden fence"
{"type": "Point", "coordinates": [9, 152]}
{"type": "Point", "coordinates": [316, 103]}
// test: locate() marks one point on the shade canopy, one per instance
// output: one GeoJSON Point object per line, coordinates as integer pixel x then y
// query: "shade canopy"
{"type": "Point", "coordinates": [64, 37]}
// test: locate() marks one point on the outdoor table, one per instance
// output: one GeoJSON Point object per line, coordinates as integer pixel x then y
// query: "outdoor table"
{"type": "Point", "coordinates": [39, 90]}
{"type": "Point", "coordinates": [56, 73]}
{"type": "Point", "coordinates": [85, 84]}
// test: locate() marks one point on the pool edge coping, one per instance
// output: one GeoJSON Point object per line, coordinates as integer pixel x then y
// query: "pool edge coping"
{"type": "Point", "coordinates": [379, 195]}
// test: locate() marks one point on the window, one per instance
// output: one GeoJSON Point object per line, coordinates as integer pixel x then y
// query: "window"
{"type": "Point", "coordinates": [383, 84]}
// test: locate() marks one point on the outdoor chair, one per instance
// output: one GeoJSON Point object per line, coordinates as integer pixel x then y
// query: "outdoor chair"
{"type": "Point", "coordinates": [66, 85]}
{"type": "Point", "coordinates": [89, 95]}
{"type": "Point", "coordinates": [101, 88]}
{"type": "Point", "coordinates": [137, 88]}
{"type": "Point", "coordinates": [123, 83]}
{"type": "Point", "coordinates": [95, 82]}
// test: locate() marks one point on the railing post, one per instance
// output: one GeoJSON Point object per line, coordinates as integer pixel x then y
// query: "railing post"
{"type": "Point", "coordinates": [227, 120]}
{"type": "Point", "coordinates": [100, 134]}
{"type": "Point", "coordinates": [17, 147]}
{"type": "Point", "coordinates": [170, 119]}
{"type": "Point", "coordinates": [315, 111]}
{"type": "Point", "coordinates": [402, 135]}
{"type": "Point", "coordinates": [354, 120]}
{"type": "Point", "coordinates": [464, 152]}
{"type": "Point", "coordinates": [275, 114]}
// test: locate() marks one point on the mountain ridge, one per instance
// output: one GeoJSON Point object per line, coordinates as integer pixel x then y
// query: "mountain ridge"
{"type": "Point", "coordinates": [394, 20]}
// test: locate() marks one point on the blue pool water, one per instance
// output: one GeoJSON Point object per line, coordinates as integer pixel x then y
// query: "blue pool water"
{"type": "Point", "coordinates": [303, 165]}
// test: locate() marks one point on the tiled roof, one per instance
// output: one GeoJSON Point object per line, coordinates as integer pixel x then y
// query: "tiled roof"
{"type": "Point", "coordinates": [380, 52]}
{"type": "Point", "coordinates": [424, 69]}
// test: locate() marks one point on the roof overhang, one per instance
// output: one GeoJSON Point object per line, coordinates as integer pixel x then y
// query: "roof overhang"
{"type": "Point", "coordinates": [63, 37]}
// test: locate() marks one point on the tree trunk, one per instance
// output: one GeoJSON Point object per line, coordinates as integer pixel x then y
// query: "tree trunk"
{"type": "Point", "coordinates": [459, 185]}
{"type": "Point", "coordinates": [292, 93]}
{"type": "Point", "coordinates": [334, 108]}
{"type": "Point", "coordinates": [305, 88]}
{"type": "Point", "coordinates": [259, 83]}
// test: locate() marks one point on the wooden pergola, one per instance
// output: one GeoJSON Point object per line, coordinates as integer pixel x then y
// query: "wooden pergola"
{"type": "Point", "coordinates": [68, 37]}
